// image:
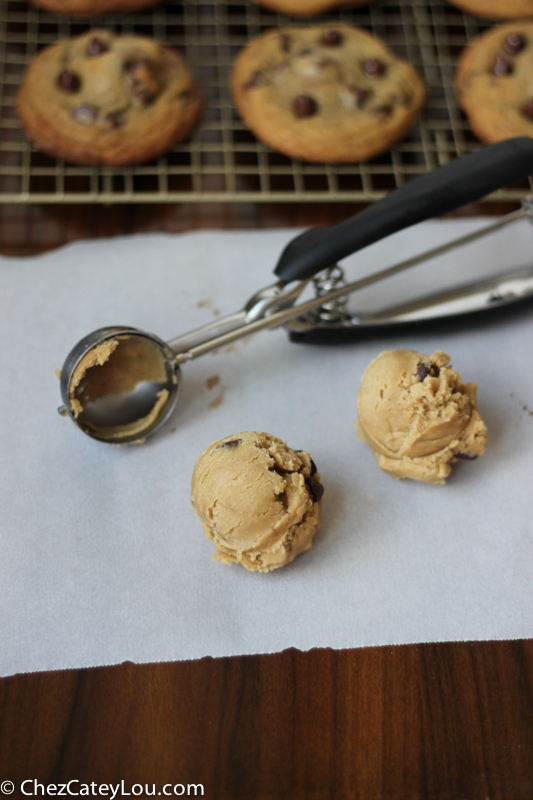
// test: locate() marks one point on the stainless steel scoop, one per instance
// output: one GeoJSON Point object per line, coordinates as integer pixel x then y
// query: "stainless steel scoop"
{"type": "Point", "coordinates": [111, 401]}
{"type": "Point", "coordinates": [120, 384]}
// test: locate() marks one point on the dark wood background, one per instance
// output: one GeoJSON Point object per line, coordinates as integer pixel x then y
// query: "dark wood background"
{"type": "Point", "coordinates": [450, 721]}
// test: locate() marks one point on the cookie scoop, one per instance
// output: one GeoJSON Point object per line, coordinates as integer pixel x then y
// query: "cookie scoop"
{"type": "Point", "coordinates": [138, 388]}
{"type": "Point", "coordinates": [257, 499]}
{"type": "Point", "coordinates": [417, 416]}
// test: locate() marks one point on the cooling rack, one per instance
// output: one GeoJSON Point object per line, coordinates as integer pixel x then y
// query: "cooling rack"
{"type": "Point", "coordinates": [223, 161]}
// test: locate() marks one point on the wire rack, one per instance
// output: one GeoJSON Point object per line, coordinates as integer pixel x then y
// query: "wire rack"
{"type": "Point", "coordinates": [223, 161]}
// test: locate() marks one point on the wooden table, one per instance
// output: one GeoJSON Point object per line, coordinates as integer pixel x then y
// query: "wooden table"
{"type": "Point", "coordinates": [449, 721]}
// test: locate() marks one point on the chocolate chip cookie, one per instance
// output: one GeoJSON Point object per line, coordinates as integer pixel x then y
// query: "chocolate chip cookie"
{"type": "Point", "coordinates": [93, 8]}
{"type": "Point", "coordinates": [308, 8]}
{"type": "Point", "coordinates": [328, 93]}
{"type": "Point", "coordinates": [494, 82]}
{"type": "Point", "coordinates": [107, 99]}
{"type": "Point", "coordinates": [496, 9]}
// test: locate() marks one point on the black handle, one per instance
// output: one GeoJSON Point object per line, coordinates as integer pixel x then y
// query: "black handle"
{"type": "Point", "coordinates": [436, 325]}
{"type": "Point", "coordinates": [444, 189]}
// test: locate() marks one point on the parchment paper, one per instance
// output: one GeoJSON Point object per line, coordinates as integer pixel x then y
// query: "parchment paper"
{"type": "Point", "coordinates": [101, 556]}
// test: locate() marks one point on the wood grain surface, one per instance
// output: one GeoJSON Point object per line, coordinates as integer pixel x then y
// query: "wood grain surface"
{"type": "Point", "coordinates": [450, 721]}
{"type": "Point", "coordinates": [428, 722]}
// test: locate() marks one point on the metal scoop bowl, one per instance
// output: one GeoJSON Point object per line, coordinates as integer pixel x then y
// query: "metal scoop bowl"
{"type": "Point", "coordinates": [120, 384]}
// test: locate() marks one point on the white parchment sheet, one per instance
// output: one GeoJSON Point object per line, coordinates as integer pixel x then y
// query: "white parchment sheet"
{"type": "Point", "coordinates": [101, 556]}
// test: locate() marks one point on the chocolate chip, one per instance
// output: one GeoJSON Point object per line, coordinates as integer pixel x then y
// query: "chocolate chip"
{"type": "Point", "coordinates": [97, 47]}
{"type": "Point", "coordinates": [427, 368]}
{"type": "Point", "coordinates": [305, 52]}
{"type": "Point", "coordinates": [304, 106]}
{"type": "Point", "coordinates": [141, 81]}
{"type": "Point", "coordinates": [68, 81]}
{"type": "Point", "coordinates": [374, 68]}
{"type": "Point", "coordinates": [186, 96]}
{"type": "Point", "coordinates": [360, 95]}
{"type": "Point", "coordinates": [514, 43]}
{"type": "Point", "coordinates": [115, 119]}
{"type": "Point", "coordinates": [331, 38]}
{"type": "Point", "coordinates": [502, 67]}
{"type": "Point", "coordinates": [422, 370]}
{"type": "Point", "coordinates": [255, 79]}
{"type": "Point", "coordinates": [85, 114]}
{"type": "Point", "coordinates": [232, 443]}
{"type": "Point", "coordinates": [285, 42]}
{"type": "Point", "coordinates": [527, 109]}
{"type": "Point", "coordinates": [142, 94]}
{"type": "Point", "coordinates": [465, 457]}
{"type": "Point", "coordinates": [316, 489]}
{"type": "Point", "coordinates": [383, 110]}
{"type": "Point", "coordinates": [134, 64]}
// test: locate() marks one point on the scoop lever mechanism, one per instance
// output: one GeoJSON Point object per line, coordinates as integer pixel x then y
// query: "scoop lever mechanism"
{"type": "Point", "coordinates": [274, 306]}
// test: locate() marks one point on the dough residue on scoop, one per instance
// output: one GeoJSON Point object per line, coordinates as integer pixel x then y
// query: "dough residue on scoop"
{"type": "Point", "coordinates": [115, 368]}
{"type": "Point", "coordinates": [417, 416]}
{"type": "Point", "coordinates": [257, 499]}
{"type": "Point", "coordinates": [96, 356]}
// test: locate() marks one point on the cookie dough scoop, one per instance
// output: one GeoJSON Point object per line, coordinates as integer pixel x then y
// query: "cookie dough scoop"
{"type": "Point", "coordinates": [120, 384]}
{"type": "Point", "coordinates": [417, 416]}
{"type": "Point", "coordinates": [257, 499]}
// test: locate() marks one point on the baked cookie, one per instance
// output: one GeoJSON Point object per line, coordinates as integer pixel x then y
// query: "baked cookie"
{"type": "Point", "coordinates": [496, 9]}
{"type": "Point", "coordinates": [106, 99]}
{"type": "Point", "coordinates": [93, 8]}
{"type": "Point", "coordinates": [328, 93]}
{"type": "Point", "coordinates": [308, 8]}
{"type": "Point", "coordinates": [494, 82]}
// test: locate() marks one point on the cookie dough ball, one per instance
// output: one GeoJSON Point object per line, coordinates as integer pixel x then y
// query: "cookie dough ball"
{"type": "Point", "coordinates": [257, 499]}
{"type": "Point", "coordinates": [325, 93]}
{"type": "Point", "coordinates": [417, 416]}
{"type": "Point", "coordinates": [105, 99]}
